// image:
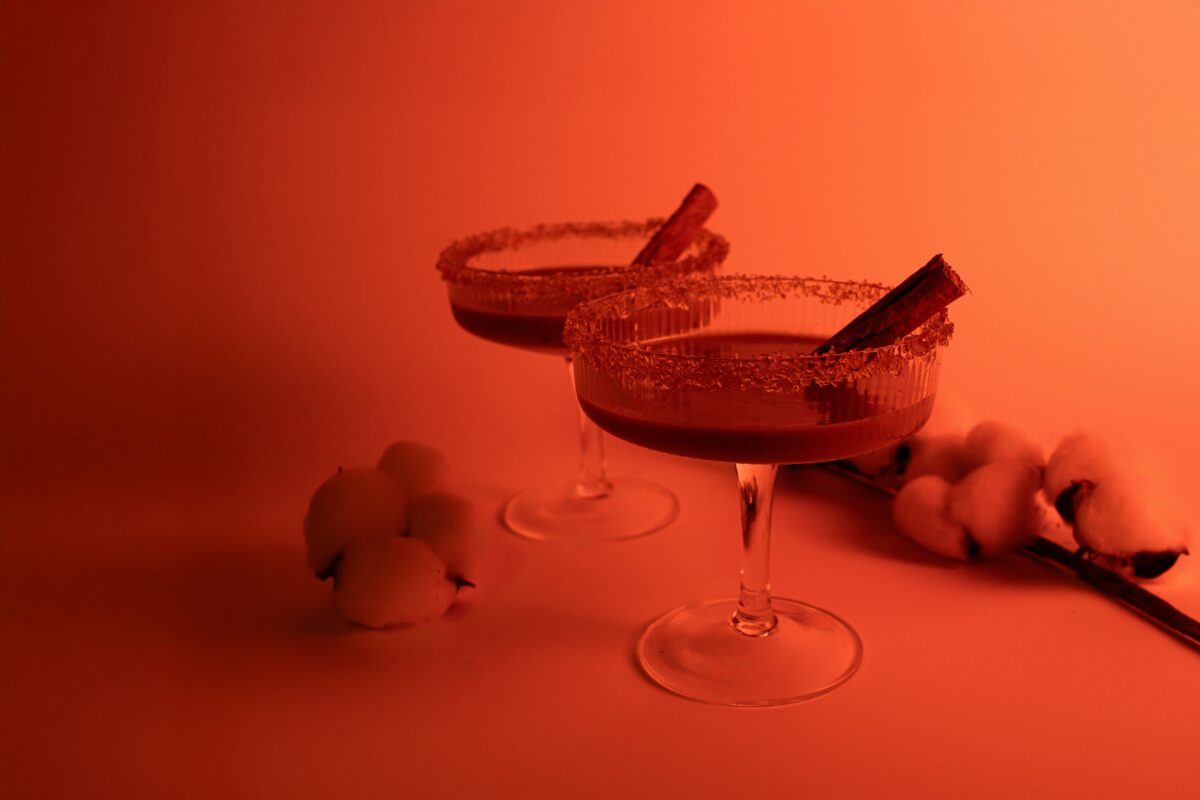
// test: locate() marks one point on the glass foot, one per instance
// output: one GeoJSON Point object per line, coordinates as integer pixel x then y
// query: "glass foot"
{"type": "Point", "coordinates": [633, 508]}
{"type": "Point", "coordinates": [695, 651]}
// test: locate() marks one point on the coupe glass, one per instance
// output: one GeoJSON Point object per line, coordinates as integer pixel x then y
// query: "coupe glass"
{"type": "Point", "coordinates": [720, 368]}
{"type": "Point", "coordinates": [515, 287]}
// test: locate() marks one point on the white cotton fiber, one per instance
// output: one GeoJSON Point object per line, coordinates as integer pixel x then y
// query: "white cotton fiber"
{"type": "Point", "coordinates": [1078, 457]}
{"type": "Point", "coordinates": [997, 504]}
{"type": "Point", "coordinates": [920, 513]}
{"type": "Point", "coordinates": [392, 581]}
{"type": "Point", "coordinates": [998, 441]}
{"type": "Point", "coordinates": [1121, 516]}
{"type": "Point", "coordinates": [449, 524]}
{"type": "Point", "coordinates": [419, 468]}
{"type": "Point", "coordinates": [355, 504]}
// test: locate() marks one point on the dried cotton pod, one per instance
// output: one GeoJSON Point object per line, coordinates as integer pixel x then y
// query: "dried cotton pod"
{"type": "Point", "coordinates": [993, 441]}
{"type": "Point", "coordinates": [449, 524]}
{"type": "Point", "coordinates": [997, 505]}
{"type": "Point", "coordinates": [419, 468]}
{"type": "Point", "coordinates": [920, 512]}
{"type": "Point", "coordinates": [392, 581]}
{"type": "Point", "coordinates": [1113, 509]}
{"type": "Point", "coordinates": [355, 504]}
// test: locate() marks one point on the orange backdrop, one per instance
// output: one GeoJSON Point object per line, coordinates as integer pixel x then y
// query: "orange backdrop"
{"type": "Point", "coordinates": [227, 213]}
{"type": "Point", "coordinates": [220, 221]}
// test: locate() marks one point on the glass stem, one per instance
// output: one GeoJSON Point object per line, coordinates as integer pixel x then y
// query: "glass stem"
{"type": "Point", "coordinates": [593, 481]}
{"type": "Point", "coordinates": [756, 484]}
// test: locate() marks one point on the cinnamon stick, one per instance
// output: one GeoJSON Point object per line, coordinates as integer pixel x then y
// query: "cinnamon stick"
{"type": "Point", "coordinates": [902, 310]}
{"type": "Point", "coordinates": [669, 241]}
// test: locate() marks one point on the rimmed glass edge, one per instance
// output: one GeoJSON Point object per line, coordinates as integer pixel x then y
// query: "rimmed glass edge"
{"type": "Point", "coordinates": [454, 262]}
{"type": "Point", "coordinates": [770, 372]}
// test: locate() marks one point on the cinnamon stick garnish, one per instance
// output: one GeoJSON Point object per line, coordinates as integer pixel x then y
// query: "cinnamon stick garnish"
{"type": "Point", "coordinates": [669, 241]}
{"type": "Point", "coordinates": [902, 310]}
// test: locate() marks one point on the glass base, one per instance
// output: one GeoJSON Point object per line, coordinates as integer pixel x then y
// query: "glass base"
{"type": "Point", "coordinates": [695, 651]}
{"type": "Point", "coordinates": [633, 508]}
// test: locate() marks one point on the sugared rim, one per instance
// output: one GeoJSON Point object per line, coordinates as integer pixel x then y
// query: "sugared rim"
{"type": "Point", "coordinates": [584, 335]}
{"type": "Point", "coordinates": [454, 263]}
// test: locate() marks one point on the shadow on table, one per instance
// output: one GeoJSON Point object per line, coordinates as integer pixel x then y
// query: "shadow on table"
{"type": "Point", "coordinates": [222, 606]}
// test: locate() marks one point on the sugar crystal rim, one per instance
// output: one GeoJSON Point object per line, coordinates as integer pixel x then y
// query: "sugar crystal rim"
{"type": "Point", "coordinates": [454, 262]}
{"type": "Point", "coordinates": [771, 372]}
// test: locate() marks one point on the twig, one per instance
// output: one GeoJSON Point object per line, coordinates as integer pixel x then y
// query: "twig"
{"type": "Point", "coordinates": [1129, 594]}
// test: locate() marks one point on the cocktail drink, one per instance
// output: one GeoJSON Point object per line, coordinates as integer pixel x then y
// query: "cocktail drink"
{"type": "Point", "coordinates": [515, 287]}
{"type": "Point", "coordinates": [723, 368]}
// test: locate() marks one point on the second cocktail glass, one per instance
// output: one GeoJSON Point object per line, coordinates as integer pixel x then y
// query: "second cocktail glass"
{"type": "Point", "coordinates": [516, 287]}
{"type": "Point", "coordinates": [722, 368]}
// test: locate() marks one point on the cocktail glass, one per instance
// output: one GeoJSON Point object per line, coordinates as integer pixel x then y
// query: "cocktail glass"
{"type": "Point", "coordinates": [515, 287]}
{"type": "Point", "coordinates": [720, 368]}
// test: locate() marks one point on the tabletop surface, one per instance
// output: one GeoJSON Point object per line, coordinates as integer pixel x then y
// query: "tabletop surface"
{"type": "Point", "coordinates": [220, 229]}
{"type": "Point", "coordinates": [184, 650]}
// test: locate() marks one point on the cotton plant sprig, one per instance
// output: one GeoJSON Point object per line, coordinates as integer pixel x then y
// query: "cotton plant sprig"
{"type": "Point", "coordinates": [991, 490]}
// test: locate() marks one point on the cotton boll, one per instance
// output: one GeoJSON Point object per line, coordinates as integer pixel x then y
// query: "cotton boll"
{"type": "Point", "coordinates": [449, 524]}
{"type": "Point", "coordinates": [1077, 458]}
{"type": "Point", "coordinates": [998, 441]}
{"type": "Point", "coordinates": [1121, 517]}
{"type": "Point", "coordinates": [920, 513]}
{"type": "Point", "coordinates": [391, 581]}
{"type": "Point", "coordinates": [997, 504]}
{"type": "Point", "coordinates": [418, 467]}
{"type": "Point", "coordinates": [943, 455]}
{"type": "Point", "coordinates": [360, 503]}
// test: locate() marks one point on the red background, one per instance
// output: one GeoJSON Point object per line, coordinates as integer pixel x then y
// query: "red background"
{"type": "Point", "coordinates": [220, 222]}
